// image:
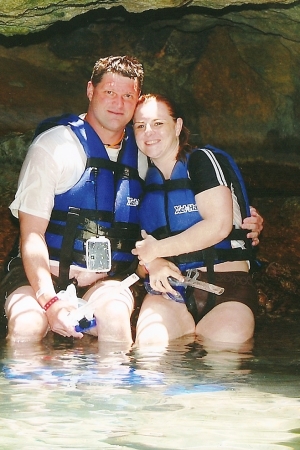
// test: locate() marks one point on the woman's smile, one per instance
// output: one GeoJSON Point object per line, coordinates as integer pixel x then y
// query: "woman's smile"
{"type": "Point", "coordinates": [156, 132]}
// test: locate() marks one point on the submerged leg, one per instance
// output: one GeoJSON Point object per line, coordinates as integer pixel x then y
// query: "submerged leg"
{"type": "Point", "coordinates": [113, 309]}
{"type": "Point", "coordinates": [162, 320]}
{"type": "Point", "coordinates": [27, 322]}
{"type": "Point", "coordinates": [227, 322]}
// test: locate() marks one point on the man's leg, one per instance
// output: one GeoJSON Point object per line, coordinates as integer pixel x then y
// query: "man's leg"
{"type": "Point", "coordinates": [26, 319]}
{"type": "Point", "coordinates": [113, 310]}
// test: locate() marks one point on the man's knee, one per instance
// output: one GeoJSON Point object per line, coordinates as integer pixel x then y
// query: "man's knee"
{"type": "Point", "coordinates": [26, 320]}
{"type": "Point", "coordinates": [108, 299]}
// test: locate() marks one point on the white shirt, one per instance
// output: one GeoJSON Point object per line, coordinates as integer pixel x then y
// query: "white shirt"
{"type": "Point", "coordinates": [54, 163]}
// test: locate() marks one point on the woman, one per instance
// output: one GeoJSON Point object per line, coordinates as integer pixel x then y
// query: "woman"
{"type": "Point", "coordinates": [195, 225]}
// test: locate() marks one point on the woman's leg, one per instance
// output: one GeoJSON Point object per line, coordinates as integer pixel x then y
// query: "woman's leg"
{"type": "Point", "coordinates": [27, 321]}
{"type": "Point", "coordinates": [113, 309]}
{"type": "Point", "coordinates": [231, 322]}
{"type": "Point", "coordinates": [162, 320]}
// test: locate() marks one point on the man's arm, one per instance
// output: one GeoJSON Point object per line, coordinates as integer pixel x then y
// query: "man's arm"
{"type": "Point", "coordinates": [35, 255]}
{"type": "Point", "coordinates": [255, 224]}
{"type": "Point", "coordinates": [35, 259]}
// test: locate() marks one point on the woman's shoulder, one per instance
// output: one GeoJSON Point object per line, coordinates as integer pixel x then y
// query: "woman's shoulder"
{"type": "Point", "coordinates": [201, 153]}
{"type": "Point", "coordinates": [202, 156]}
{"type": "Point", "coordinates": [204, 170]}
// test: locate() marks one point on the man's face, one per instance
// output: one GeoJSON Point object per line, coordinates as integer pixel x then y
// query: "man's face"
{"type": "Point", "coordinates": [112, 101]}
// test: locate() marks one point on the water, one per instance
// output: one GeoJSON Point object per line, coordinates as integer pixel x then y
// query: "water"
{"type": "Point", "coordinates": [60, 395]}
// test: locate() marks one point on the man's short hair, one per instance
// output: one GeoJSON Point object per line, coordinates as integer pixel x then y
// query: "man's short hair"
{"type": "Point", "coordinates": [127, 66]}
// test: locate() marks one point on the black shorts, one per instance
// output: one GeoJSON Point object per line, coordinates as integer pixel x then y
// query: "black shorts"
{"type": "Point", "coordinates": [238, 287]}
{"type": "Point", "coordinates": [17, 278]}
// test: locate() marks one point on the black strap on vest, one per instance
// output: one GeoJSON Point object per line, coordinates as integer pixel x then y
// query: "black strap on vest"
{"type": "Point", "coordinates": [121, 169]}
{"type": "Point", "coordinates": [209, 258]}
{"type": "Point", "coordinates": [67, 247]}
{"type": "Point", "coordinates": [169, 185]}
{"type": "Point", "coordinates": [120, 238]}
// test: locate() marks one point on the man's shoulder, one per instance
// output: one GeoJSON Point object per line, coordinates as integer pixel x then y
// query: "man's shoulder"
{"type": "Point", "coordinates": [59, 141]}
{"type": "Point", "coordinates": [54, 121]}
{"type": "Point", "coordinates": [60, 144]}
{"type": "Point", "coordinates": [56, 133]}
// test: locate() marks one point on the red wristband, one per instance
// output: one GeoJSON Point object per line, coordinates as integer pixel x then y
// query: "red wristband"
{"type": "Point", "coordinates": [50, 303]}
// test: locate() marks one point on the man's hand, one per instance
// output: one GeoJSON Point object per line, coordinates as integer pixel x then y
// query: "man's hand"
{"type": "Point", "coordinates": [255, 224]}
{"type": "Point", "coordinates": [58, 316]}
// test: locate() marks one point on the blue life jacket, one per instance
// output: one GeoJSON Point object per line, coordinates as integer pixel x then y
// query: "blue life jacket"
{"type": "Point", "coordinates": [104, 202]}
{"type": "Point", "coordinates": [176, 210]}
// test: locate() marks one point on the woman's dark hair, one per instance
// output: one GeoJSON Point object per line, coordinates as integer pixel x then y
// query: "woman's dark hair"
{"type": "Point", "coordinates": [127, 66]}
{"type": "Point", "coordinates": [184, 146]}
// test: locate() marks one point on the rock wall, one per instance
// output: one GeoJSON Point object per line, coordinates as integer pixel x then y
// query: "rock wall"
{"type": "Point", "coordinates": [234, 72]}
{"type": "Point", "coordinates": [27, 16]}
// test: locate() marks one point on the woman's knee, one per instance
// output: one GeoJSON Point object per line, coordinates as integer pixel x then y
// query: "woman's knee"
{"type": "Point", "coordinates": [162, 320]}
{"type": "Point", "coordinates": [228, 322]}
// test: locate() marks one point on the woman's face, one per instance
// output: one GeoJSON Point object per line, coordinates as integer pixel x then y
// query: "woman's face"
{"type": "Point", "coordinates": [155, 130]}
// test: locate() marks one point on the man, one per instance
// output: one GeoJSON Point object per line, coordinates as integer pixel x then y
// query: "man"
{"type": "Point", "coordinates": [81, 179]}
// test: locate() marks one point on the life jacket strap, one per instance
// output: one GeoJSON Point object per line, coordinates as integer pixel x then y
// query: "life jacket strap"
{"type": "Point", "coordinates": [122, 170]}
{"type": "Point", "coordinates": [91, 229]}
{"type": "Point", "coordinates": [209, 260]}
{"type": "Point", "coordinates": [67, 247]}
{"type": "Point", "coordinates": [220, 254]}
{"type": "Point", "coordinates": [169, 185]}
{"type": "Point", "coordinates": [86, 216]}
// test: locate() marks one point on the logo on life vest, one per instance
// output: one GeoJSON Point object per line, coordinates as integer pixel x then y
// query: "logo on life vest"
{"type": "Point", "coordinates": [132, 201]}
{"type": "Point", "coordinates": [182, 209]}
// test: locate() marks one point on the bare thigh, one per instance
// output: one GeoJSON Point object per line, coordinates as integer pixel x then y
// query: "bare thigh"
{"type": "Point", "coordinates": [162, 320]}
{"type": "Point", "coordinates": [227, 322]}
{"type": "Point", "coordinates": [26, 319]}
{"type": "Point", "coordinates": [112, 309]}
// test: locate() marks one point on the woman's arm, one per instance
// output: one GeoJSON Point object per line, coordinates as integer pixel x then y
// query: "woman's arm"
{"type": "Point", "coordinates": [215, 207]}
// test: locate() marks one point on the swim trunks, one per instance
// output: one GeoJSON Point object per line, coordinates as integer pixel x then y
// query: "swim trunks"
{"type": "Point", "coordinates": [238, 287]}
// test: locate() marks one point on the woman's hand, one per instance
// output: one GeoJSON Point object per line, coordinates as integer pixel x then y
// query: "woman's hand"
{"type": "Point", "coordinates": [159, 271]}
{"type": "Point", "coordinates": [145, 250]}
{"type": "Point", "coordinates": [255, 224]}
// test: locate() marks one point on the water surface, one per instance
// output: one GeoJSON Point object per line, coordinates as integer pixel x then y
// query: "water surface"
{"type": "Point", "coordinates": [78, 396]}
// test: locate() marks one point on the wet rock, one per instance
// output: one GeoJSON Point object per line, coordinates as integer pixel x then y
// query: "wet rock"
{"type": "Point", "coordinates": [278, 289]}
{"type": "Point", "coordinates": [21, 17]}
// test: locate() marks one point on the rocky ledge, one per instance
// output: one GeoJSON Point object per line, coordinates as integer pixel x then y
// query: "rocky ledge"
{"type": "Point", "coordinates": [25, 16]}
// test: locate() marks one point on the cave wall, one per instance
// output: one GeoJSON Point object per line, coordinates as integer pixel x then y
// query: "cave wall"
{"type": "Point", "coordinates": [30, 16]}
{"type": "Point", "coordinates": [234, 72]}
